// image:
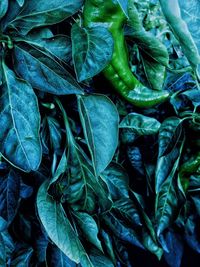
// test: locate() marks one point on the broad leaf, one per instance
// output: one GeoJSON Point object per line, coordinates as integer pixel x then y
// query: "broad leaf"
{"type": "Point", "coordinates": [80, 188]}
{"type": "Point", "coordinates": [92, 50]}
{"type": "Point", "coordinates": [42, 72]}
{"type": "Point", "coordinates": [169, 135]}
{"type": "Point", "coordinates": [58, 226]}
{"type": "Point", "coordinates": [99, 118]}
{"type": "Point", "coordinates": [58, 46]}
{"type": "Point", "coordinates": [19, 137]}
{"type": "Point", "coordinates": [6, 247]}
{"type": "Point", "coordinates": [153, 53]}
{"type": "Point", "coordinates": [164, 166]}
{"type": "Point", "coordinates": [108, 245]}
{"type": "Point", "coordinates": [117, 181]}
{"type": "Point", "coordinates": [42, 13]}
{"type": "Point", "coordinates": [149, 239]}
{"type": "Point", "coordinates": [140, 124]}
{"type": "Point", "coordinates": [155, 73]}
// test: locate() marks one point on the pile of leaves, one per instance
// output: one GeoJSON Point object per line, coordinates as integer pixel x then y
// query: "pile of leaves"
{"type": "Point", "coordinates": [87, 179]}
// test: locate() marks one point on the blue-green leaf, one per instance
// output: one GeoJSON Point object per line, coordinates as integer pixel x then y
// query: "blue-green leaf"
{"type": "Point", "coordinates": [44, 73]}
{"type": "Point", "coordinates": [3, 7]}
{"type": "Point", "coordinates": [41, 13]}
{"type": "Point", "coordinates": [92, 50]}
{"type": "Point", "coordinates": [100, 120]}
{"type": "Point", "coordinates": [20, 121]}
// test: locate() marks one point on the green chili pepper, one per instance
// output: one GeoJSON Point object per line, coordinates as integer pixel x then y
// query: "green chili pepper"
{"type": "Point", "coordinates": [118, 72]}
{"type": "Point", "coordinates": [189, 168]}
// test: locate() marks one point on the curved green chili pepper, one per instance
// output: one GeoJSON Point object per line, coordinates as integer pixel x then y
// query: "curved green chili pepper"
{"type": "Point", "coordinates": [189, 168]}
{"type": "Point", "coordinates": [118, 72]}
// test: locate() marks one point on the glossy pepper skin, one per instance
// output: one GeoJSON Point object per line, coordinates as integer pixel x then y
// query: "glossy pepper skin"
{"type": "Point", "coordinates": [118, 72]}
{"type": "Point", "coordinates": [189, 168]}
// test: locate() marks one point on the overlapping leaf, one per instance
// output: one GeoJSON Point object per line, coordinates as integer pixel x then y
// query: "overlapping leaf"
{"type": "Point", "coordinates": [20, 120]}
{"type": "Point", "coordinates": [44, 73]}
{"type": "Point", "coordinates": [100, 120]}
{"type": "Point", "coordinates": [41, 13]}
{"type": "Point", "coordinates": [92, 50]}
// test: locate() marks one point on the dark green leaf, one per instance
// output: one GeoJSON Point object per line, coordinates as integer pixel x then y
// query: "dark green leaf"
{"type": "Point", "coordinates": [153, 53]}
{"type": "Point", "coordinates": [108, 245]}
{"type": "Point", "coordinates": [155, 73]}
{"type": "Point", "coordinates": [6, 247]}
